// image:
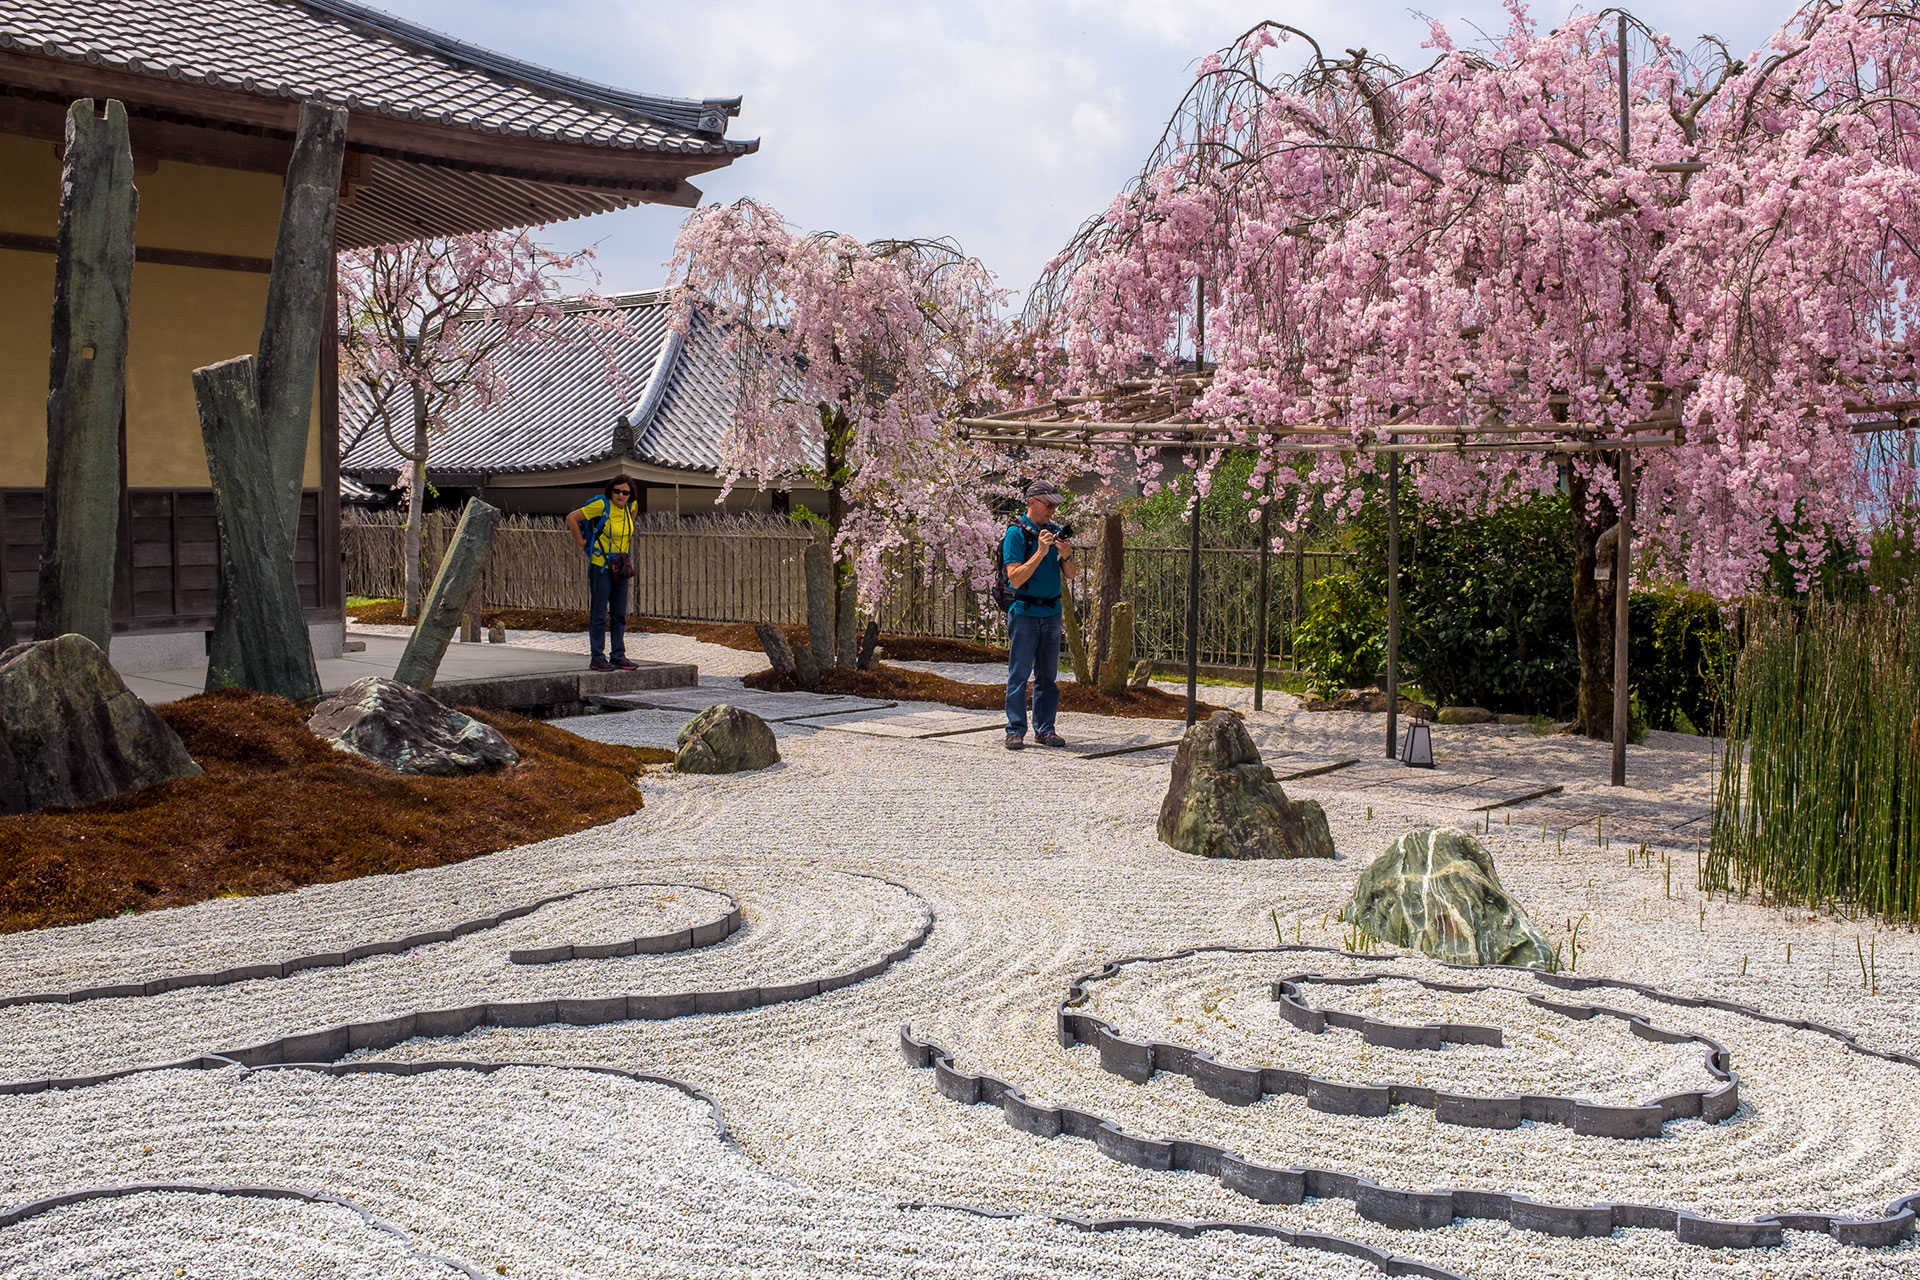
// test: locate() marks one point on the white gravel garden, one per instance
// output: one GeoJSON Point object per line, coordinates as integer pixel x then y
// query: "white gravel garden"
{"type": "Point", "coordinates": [1035, 869]}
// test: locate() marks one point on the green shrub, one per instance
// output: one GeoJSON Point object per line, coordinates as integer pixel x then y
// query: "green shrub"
{"type": "Point", "coordinates": [1681, 659]}
{"type": "Point", "coordinates": [1342, 641]}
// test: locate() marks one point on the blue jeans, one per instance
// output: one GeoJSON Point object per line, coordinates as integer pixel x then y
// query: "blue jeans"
{"type": "Point", "coordinates": [1033, 649]}
{"type": "Point", "coordinates": [608, 595]}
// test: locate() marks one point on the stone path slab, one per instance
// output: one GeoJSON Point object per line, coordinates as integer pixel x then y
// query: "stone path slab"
{"type": "Point", "coordinates": [768, 706]}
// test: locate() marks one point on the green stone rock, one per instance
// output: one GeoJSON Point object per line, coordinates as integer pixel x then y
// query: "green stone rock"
{"type": "Point", "coordinates": [1225, 803]}
{"type": "Point", "coordinates": [725, 739]}
{"type": "Point", "coordinates": [1435, 891]}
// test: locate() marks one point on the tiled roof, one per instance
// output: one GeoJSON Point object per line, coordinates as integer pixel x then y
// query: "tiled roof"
{"type": "Point", "coordinates": [365, 60]}
{"type": "Point", "coordinates": [563, 409]}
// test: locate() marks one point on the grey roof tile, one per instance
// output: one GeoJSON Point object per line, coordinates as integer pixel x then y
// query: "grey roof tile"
{"type": "Point", "coordinates": [365, 60]}
{"type": "Point", "coordinates": [563, 409]}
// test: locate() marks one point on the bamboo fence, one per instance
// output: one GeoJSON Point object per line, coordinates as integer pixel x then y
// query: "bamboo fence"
{"type": "Point", "coordinates": [749, 569]}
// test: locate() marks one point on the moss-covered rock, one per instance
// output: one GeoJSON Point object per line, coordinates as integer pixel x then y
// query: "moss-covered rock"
{"type": "Point", "coordinates": [1225, 803]}
{"type": "Point", "coordinates": [1435, 890]}
{"type": "Point", "coordinates": [408, 731]}
{"type": "Point", "coordinates": [725, 739]}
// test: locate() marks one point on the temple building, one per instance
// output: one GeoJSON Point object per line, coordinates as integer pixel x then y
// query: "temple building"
{"type": "Point", "coordinates": [443, 138]}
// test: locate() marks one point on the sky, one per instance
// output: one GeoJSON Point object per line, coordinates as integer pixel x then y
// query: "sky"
{"type": "Point", "coordinates": [1001, 123]}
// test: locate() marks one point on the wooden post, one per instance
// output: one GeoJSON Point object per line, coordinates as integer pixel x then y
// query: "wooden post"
{"type": "Point", "coordinates": [453, 586]}
{"type": "Point", "coordinates": [817, 565]}
{"type": "Point", "coordinates": [1622, 566]}
{"type": "Point", "coordinates": [1260, 605]}
{"type": "Point", "coordinates": [293, 331]}
{"type": "Point", "coordinates": [1193, 607]}
{"type": "Point", "coordinates": [86, 397]}
{"type": "Point", "coordinates": [274, 653]}
{"type": "Point", "coordinates": [1393, 604]}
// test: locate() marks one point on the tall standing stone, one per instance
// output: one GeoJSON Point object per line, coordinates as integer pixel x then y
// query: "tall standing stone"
{"type": "Point", "coordinates": [86, 397]}
{"type": "Point", "coordinates": [274, 653]}
{"type": "Point", "coordinates": [292, 331]}
{"type": "Point", "coordinates": [446, 604]}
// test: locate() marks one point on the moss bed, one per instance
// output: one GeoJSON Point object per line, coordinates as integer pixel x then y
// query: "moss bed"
{"type": "Point", "coordinates": [922, 686]}
{"type": "Point", "coordinates": [278, 808]}
{"type": "Point", "coordinates": [733, 635]}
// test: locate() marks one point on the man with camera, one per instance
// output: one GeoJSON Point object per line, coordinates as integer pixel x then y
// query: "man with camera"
{"type": "Point", "coordinates": [1038, 556]}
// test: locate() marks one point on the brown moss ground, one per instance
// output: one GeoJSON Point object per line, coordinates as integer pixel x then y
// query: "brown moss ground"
{"type": "Point", "coordinates": [278, 808]}
{"type": "Point", "coordinates": [733, 635]}
{"type": "Point", "coordinates": [921, 686]}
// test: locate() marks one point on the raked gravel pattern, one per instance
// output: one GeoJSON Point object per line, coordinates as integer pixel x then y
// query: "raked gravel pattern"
{"type": "Point", "coordinates": [1039, 868]}
{"type": "Point", "coordinates": [208, 1237]}
{"type": "Point", "coordinates": [1224, 1004]}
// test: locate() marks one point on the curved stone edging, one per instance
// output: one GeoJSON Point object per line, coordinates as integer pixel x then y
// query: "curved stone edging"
{"type": "Point", "coordinates": [1243, 1086]}
{"type": "Point", "coordinates": [34, 1208]}
{"type": "Point", "coordinates": [330, 1044]}
{"type": "Point", "coordinates": [659, 944]}
{"type": "Point", "coordinates": [393, 946]}
{"type": "Point", "coordinates": [1388, 1263]}
{"type": "Point", "coordinates": [1389, 1206]}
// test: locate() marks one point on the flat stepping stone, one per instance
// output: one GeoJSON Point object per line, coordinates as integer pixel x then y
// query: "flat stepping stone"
{"type": "Point", "coordinates": [906, 722]}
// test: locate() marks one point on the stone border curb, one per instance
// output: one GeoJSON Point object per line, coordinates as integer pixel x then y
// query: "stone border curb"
{"type": "Point", "coordinates": [716, 930]}
{"type": "Point", "coordinates": [34, 1208]}
{"type": "Point", "coordinates": [1137, 1061]}
{"type": "Point", "coordinates": [1388, 1206]}
{"type": "Point", "coordinates": [330, 1044]}
{"type": "Point", "coordinates": [335, 959]}
{"type": "Point", "coordinates": [1388, 1264]}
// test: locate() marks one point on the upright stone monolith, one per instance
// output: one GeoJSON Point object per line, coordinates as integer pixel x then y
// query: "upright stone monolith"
{"type": "Point", "coordinates": [86, 396]}
{"type": "Point", "coordinates": [293, 330]}
{"type": "Point", "coordinates": [446, 603]}
{"type": "Point", "coordinates": [274, 653]}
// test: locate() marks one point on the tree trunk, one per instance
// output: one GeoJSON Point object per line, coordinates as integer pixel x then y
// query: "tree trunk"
{"type": "Point", "coordinates": [86, 399]}
{"type": "Point", "coordinates": [1592, 514]}
{"type": "Point", "coordinates": [416, 505]}
{"type": "Point", "coordinates": [453, 588]}
{"type": "Point", "coordinates": [839, 434]}
{"type": "Point", "coordinates": [817, 563]}
{"type": "Point", "coordinates": [274, 653]}
{"type": "Point", "coordinates": [293, 329]}
{"type": "Point", "coordinates": [1076, 640]}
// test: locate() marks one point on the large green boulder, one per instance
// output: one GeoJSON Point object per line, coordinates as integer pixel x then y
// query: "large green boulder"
{"type": "Point", "coordinates": [725, 739]}
{"type": "Point", "coordinates": [1225, 803]}
{"type": "Point", "coordinates": [1435, 890]}
{"type": "Point", "coordinates": [72, 733]}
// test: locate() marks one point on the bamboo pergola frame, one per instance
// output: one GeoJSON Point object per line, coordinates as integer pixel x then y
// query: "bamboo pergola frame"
{"type": "Point", "coordinates": [1156, 415]}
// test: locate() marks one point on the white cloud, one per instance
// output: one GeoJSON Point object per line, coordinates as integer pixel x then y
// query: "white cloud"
{"type": "Point", "coordinates": [1003, 123]}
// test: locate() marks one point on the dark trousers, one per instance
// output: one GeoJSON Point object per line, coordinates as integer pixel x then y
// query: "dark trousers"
{"type": "Point", "coordinates": [609, 594]}
{"type": "Point", "coordinates": [1033, 651]}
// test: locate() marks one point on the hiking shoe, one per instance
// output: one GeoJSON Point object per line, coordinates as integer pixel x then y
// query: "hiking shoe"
{"type": "Point", "coordinates": [626, 664]}
{"type": "Point", "coordinates": [1049, 739]}
{"type": "Point", "coordinates": [599, 664]}
{"type": "Point", "coordinates": [1015, 741]}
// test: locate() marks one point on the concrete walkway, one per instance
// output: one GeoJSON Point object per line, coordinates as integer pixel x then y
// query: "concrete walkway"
{"type": "Point", "coordinates": [514, 675]}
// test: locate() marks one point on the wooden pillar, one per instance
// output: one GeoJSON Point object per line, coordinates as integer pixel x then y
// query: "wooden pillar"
{"type": "Point", "coordinates": [273, 652]}
{"type": "Point", "coordinates": [1622, 566]}
{"type": "Point", "coordinates": [292, 333]}
{"type": "Point", "coordinates": [446, 603]}
{"type": "Point", "coordinates": [1393, 604]}
{"type": "Point", "coordinates": [1193, 606]}
{"type": "Point", "coordinates": [1260, 603]}
{"type": "Point", "coordinates": [86, 397]}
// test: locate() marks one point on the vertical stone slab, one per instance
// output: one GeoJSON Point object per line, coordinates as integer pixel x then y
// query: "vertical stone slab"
{"type": "Point", "coordinates": [817, 562]}
{"type": "Point", "coordinates": [293, 330]}
{"type": "Point", "coordinates": [86, 395]}
{"type": "Point", "coordinates": [446, 603]}
{"type": "Point", "coordinates": [274, 653]}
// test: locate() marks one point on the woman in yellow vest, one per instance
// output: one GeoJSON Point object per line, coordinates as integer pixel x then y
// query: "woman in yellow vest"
{"type": "Point", "coordinates": [607, 538]}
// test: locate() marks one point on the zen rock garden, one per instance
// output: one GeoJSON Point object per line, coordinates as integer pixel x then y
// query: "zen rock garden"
{"type": "Point", "coordinates": [1472, 835]}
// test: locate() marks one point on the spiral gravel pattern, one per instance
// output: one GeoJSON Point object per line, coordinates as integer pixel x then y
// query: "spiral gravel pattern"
{"type": "Point", "coordinates": [1039, 868]}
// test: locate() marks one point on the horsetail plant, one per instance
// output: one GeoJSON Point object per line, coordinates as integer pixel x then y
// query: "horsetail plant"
{"type": "Point", "coordinates": [1819, 795]}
